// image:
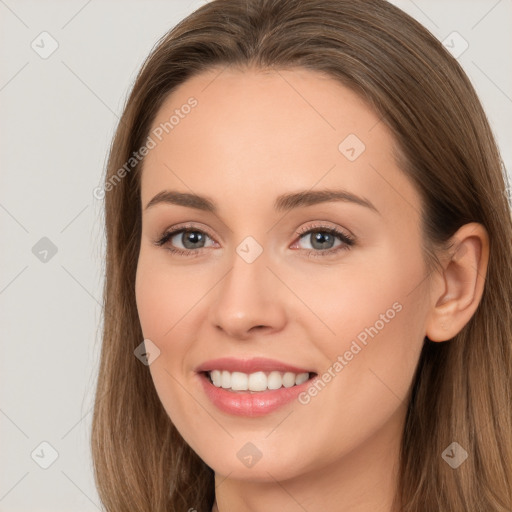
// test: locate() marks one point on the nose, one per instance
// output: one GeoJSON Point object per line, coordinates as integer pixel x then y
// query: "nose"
{"type": "Point", "coordinates": [248, 300]}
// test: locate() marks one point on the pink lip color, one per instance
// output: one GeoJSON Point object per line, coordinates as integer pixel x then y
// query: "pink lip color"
{"type": "Point", "coordinates": [255, 364]}
{"type": "Point", "coordinates": [246, 403]}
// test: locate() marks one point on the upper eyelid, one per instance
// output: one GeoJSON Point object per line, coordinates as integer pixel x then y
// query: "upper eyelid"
{"type": "Point", "coordinates": [321, 225]}
{"type": "Point", "coordinates": [176, 230]}
{"type": "Point", "coordinates": [179, 229]}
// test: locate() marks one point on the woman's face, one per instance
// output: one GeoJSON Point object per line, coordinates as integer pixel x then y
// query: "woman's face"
{"type": "Point", "coordinates": [281, 163]}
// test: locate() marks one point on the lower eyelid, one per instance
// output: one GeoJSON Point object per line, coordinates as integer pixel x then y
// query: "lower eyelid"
{"type": "Point", "coordinates": [327, 252]}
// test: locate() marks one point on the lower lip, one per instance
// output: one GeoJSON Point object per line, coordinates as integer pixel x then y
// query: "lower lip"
{"type": "Point", "coordinates": [254, 404]}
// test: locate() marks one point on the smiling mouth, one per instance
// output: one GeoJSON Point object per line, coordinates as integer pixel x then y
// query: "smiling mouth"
{"type": "Point", "coordinates": [256, 382]}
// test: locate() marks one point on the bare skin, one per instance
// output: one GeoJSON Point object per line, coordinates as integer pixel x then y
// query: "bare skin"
{"type": "Point", "coordinates": [252, 137]}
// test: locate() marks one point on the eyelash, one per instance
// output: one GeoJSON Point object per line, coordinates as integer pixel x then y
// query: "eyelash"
{"type": "Point", "coordinates": [347, 241]}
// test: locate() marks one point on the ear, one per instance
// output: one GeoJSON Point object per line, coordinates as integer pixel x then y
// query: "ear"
{"type": "Point", "coordinates": [457, 290]}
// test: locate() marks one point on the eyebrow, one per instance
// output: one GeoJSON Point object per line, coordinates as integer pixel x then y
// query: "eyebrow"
{"type": "Point", "coordinates": [283, 203]}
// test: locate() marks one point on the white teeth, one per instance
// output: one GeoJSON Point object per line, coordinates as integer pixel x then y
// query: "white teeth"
{"type": "Point", "coordinates": [258, 381]}
{"type": "Point", "coordinates": [288, 380]}
{"type": "Point", "coordinates": [274, 380]}
{"type": "Point", "coordinates": [216, 377]}
{"type": "Point", "coordinates": [301, 378]}
{"type": "Point", "coordinates": [239, 381]}
{"type": "Point", "coordinates": [226, 380]}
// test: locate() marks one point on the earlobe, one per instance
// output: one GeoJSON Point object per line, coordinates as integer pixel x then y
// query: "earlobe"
{"type": "Point", "coordinates": [461, 284]}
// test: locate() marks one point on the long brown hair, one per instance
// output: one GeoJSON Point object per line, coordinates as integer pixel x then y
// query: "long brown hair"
{"type": "Point", "coordinates": [462, 388]}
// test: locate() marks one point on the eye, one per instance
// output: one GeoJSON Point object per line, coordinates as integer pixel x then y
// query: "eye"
{"type": "Point", "coordinates": [319, 240]}
{"type": "Point", "coordinates": [186, 241]}
{"type": "Point", "coordinates": [323, 240]}
{"type": "Point", "coordinates": [189, 239]}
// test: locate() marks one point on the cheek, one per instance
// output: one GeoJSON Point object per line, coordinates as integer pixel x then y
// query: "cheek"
{"type": "Point", "coordinates": [164, 295]}
{"type": "Point", "coordinates": [363, 299]}
{"type": "Point", "coordinates": [169, 299]}
{"type": "Point", "coordinates": [378, 318]}
{"type": "Point", "coordinates": [374, 319]}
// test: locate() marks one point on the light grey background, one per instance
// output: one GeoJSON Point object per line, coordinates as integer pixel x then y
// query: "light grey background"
{"type": "Point", "coordinates": [58, 115]}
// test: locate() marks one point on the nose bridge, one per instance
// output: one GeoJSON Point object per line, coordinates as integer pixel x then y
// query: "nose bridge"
{"type": "Point", "coordinates": [247, 297]}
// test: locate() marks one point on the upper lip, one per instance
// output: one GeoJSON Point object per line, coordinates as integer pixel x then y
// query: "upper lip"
{"type": "Point", "coordinates": [252, 365]}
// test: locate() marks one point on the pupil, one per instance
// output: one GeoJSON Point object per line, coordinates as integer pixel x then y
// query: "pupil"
{"type": "Point", "coordinates": [194, 237]}
{"type": "Point", "coordinates": [324, 240]}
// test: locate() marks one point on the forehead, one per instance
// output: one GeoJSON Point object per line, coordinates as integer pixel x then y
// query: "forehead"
{"type": "Point", "coordinates": [252, 132]}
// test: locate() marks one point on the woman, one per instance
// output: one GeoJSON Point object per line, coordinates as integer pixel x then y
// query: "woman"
{"type": "Point", "coordinates": [308, 281]}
